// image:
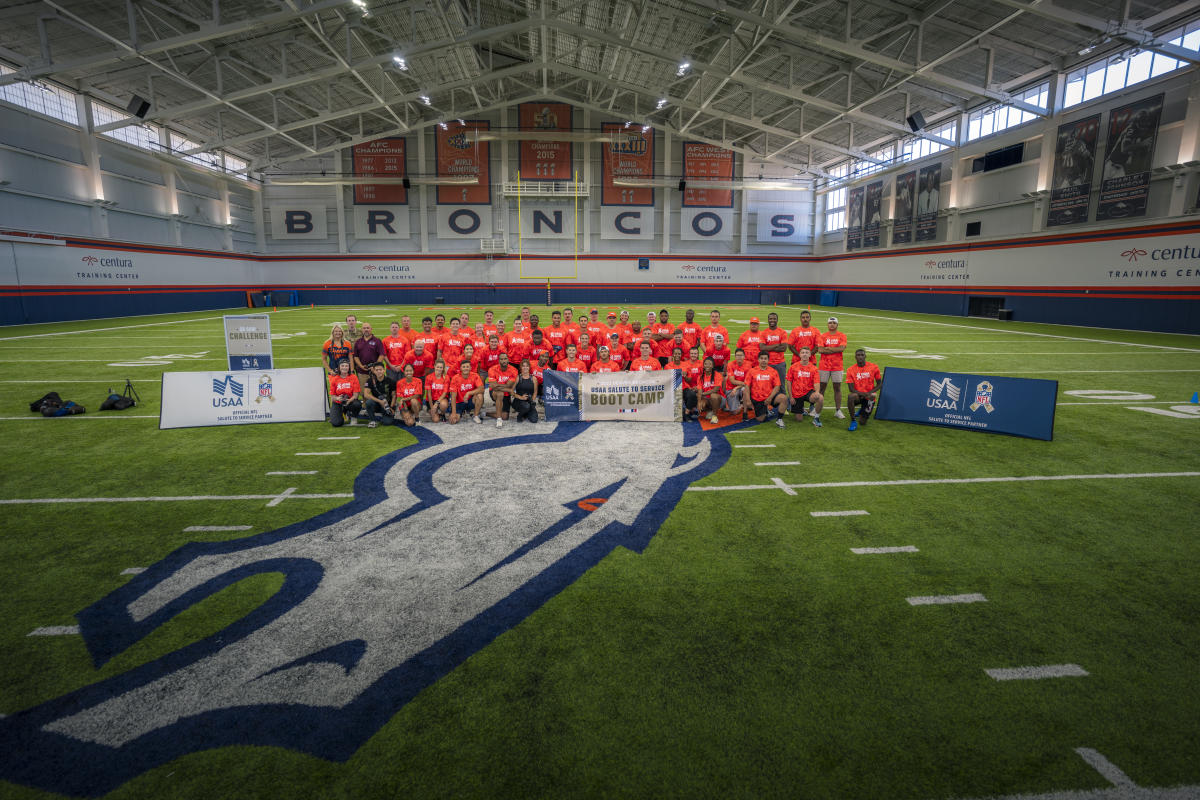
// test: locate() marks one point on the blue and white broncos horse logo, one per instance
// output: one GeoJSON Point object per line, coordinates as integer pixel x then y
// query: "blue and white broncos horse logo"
{"type": "Point", "coordinates": [437, 555]}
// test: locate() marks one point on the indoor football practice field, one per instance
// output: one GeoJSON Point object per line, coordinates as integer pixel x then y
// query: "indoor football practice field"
{"type": "Point", "coordinates": [901, 611]}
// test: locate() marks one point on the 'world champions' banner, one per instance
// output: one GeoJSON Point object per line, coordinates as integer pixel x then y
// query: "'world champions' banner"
{"type": "Point", "coordinates": [872, 216]}
{"type": "Point", "coordinates": [621, 396]}
{"type": "Point", "coordinates": [1074, 158]}
{"type": "Point", "coordinates": [541, 160]}
{"type": "Point", "coordinates": [1132, 135]}
{"type": "Point", "coordinates": [987, 403]}
{"type": "Point", "coordinates": [902, 216]}
{"type": "Point", "coordinates": [458, 156]}
{"type": "Point", "coordinates": [854, 219]}
{"type": "Point", "coordinates": [928, 200]}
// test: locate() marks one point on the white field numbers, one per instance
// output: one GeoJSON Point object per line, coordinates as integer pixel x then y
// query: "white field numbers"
{"type": "Point", "coordinates": [1181, 411]}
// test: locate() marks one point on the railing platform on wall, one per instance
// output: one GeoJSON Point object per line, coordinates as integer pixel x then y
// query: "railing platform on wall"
{"type": "Point", "coordinates": [492, 246]}
{"type": "Point", "coordinates": [544, 189]}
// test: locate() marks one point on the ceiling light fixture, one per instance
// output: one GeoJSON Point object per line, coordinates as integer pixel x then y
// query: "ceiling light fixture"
{"type": "Point", "coordinates": [401, 64]}
{"type": "Point", "coordinates": [661, 103]}
{"type": "Point", "coordinates": [442, 125]}
{"type": "Point", "coordinates": [425, 99]}
{"type": "Point", "coordinates": [645, 129]}
{"type": "Point", "coordinates": [684, 66]}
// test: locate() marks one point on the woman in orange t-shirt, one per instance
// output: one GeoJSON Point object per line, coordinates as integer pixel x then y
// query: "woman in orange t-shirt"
{"type": "Point", "coordinates": [437, 386]}
{"type": "Point", "coordinates": [712, 384]}
{"type": "Point", "coordinates": [409, 391]}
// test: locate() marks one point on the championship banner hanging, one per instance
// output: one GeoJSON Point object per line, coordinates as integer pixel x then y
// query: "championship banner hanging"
{"type": "Point", "coordinates": [1074, 159]}
{"type": "Point", "coordinates": [197, 399]}
{"type": "Point", "coordinates": [619, 396]}
{"type": "Point", "coordinates": [385, 158]}
{"type": "Point", "coordinates": [1132, 135]}
{"type": "Point", "coordinates": [928, 200]}
{"type": "Point", "coordinates": [707, 162]}
{"type": "Point", "coordinates": [248, 341]}
{"type": "Point", "coordinates": [540, 160]}
{"type": "Point", "coordinates": [629, 154]}
{"type": "Point", "coordinates": [902, 212]}
{"type": "Point", "coordinates": [872, 216]}
{"type": "Point", "coordinates": [987, 403]}
{"type": "Point", "coordinates": [854, 219]}
{"type": "Point", "coordinates": [459, 156]}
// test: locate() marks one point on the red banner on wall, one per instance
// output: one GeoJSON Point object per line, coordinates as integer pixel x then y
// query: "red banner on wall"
{"type": "Point", "coordinates": [629, 155]}
{"type": "Point", "coordinates": [540, 160]}
{"type": "Point", "coordinates": [707, 162]}
{"type": "Point", "coordinates": [382, 157]}
{"type": "Point", "coordinates": [458, 157]}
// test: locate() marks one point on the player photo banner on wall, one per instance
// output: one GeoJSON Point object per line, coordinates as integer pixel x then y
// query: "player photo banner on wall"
{"type": "Point", "coordinates": [928, 197]}
{"type": "Point", "coordinates": [854, 219]}
{"type": "Point", "coordinates": [1132, 134]}
{"type": "Point", "coordinates": [383, 157]}
{"type": "Point", "coordinates": [1074, 159]}
{"type": "Point", "coordinates": [902, 218]}
{"type": "Point", "coordinates": [542, 160]}
{"type": "Point", "coordinates": [872, 215]}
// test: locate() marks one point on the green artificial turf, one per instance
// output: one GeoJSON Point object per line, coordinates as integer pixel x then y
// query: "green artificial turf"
{"type": "Point", "coordinates": [747, 652]}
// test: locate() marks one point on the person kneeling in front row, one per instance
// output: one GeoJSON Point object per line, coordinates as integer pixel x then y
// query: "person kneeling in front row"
{"type": "Point", "coordinates": [344, 396]}
{"type": "Point", "coordinates": [380, 394]}
{"type": "Point", "coordinates": [524, 404]}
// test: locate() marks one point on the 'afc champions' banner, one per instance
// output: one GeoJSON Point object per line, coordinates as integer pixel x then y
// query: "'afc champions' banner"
{"type": "Point", "coordinates": [197, 399]}
{"type": "Point", "coordinates": [902, 213]}
{"type": "Point", "coordinates": [384, 158]}
{"type": "Point", "coordinates": [540, 160]}
{"type": "Point", "coordinates": [929, 192]}
{"type": "Point", "coordinates": [706, 162]}
{"type": "Point", "coordinates": [1132, 135]}
{"type": "Point", "coordinates": [872, 215]}
{"type": "Point", "coordinates": [622, 396]}
{"type": "Point", "coordinates": [628, 153]}
{"type": "Point", "coordinates": [854, 219]}
{"type": "Point", "coordinates": [987, 403]}
{"type": "Point", "coordinates": [1071, 185]}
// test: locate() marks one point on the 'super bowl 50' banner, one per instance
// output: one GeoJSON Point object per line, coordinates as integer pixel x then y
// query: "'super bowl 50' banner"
{"type": "Point", "coordinates": [625, 396]}
{"type": "Point", "coordinates": [197, 399]}
{"type": "Point", "coordinates": [988, 403]}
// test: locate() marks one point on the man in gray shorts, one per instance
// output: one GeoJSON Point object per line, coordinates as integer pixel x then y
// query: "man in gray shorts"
{"type": "Point", "coordinates": [830, 345]}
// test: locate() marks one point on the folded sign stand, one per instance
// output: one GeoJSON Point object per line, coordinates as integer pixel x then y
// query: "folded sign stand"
{"type": "Point", "coordinates": [988, 403]}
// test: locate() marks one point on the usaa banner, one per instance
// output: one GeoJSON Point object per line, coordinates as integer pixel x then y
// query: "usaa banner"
{"type": "Point", "coordinates": [464, 212]}
{"type": "Point", "coordinates": [626, 212]}
{"type": "Point", "coordinates": [706, 213]}
{"type": "Point", "coordinates": [542, 160]}
{"type": "Point", "coordinates": [986, 403]}
{"type": "Point", "coordinates": [197, 399]}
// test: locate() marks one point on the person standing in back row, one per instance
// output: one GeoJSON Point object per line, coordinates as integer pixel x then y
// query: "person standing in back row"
{"type": "Point", "coordinates": [830, 345]}
{"type": "Point", "coordinates": [775, 341]}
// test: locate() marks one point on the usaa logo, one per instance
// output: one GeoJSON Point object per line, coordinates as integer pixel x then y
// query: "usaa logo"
{"type": "Point", "coordinates": [227, 392]}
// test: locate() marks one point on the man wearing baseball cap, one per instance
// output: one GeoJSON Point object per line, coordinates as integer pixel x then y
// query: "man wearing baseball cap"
{"type": "Point", "coordinates": [830, 345]}
{"type": "Point", "coordinates": [752, 341]}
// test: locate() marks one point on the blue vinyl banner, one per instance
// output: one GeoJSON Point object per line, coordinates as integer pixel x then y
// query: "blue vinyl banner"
{"type": "Point", "coordinates": [988, 403]}
{"type": "Point", "coordinates": [560, 396]}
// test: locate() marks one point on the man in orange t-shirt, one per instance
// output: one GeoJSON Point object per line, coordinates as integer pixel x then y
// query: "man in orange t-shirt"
{"type": "Point", "coordinates": [624, 328]}
{"type": "Point", "coordinates": [737, 382]}
{"type": "Point", "coordinates": [516, 342]}
{"type": "Point", "coordinates": [645, 362]}
{"type": "Point", "coordinates": [409, 393]}
{"type": "Point", "coordinates": [596, 329]}
{"type": "Point", "coordinates": [691, 331]}
{"type": "Point", "coordinates": [452, 345]}
{"type": "Point", "coordinates": [775, 341]}
{"type": "Point", "coordinates": [556, 336]}
{"type": "Point", "coordinates": [864, 379]}
{"type": "Point", "coordinates": [710, 333]}
{"type": "Point", "coordinates": [604, 362]}
{"type": "Point", "coordinates": [802, 379]}
{"type": "Point", "coordinates": [406, 329]}
{"type": "Point", "coordinates": [428, 338]}
{"type": "Point", "coordinates": [419, 359]}
{"type": "Point", "coordinates": [766, 391]}
{"type": "Point", "coordinates": [718, 352]}
{"type": "Point", "coordinates": [467, 388]}
{"type": "Point", "coordinates": [616, 350]}
{"type": "Point", "coordinates": [585, 352]}
{"type": "Point", "coordinates": [573, 329]}
{"type": "Point", "coordinates": [752, 341]}
{"type": "Point", "coordinates": [662, 333]}
{"type": "Point", "coordinates": [395, 347]}
{"type": "Point", "coordinates": [571, 361]}
{"type": "Point", "coordinates": [830, 345]}
{"type": "Point", "coordinates": [804, 335]}
{"type": "Point", "coordinates": [501, 380]}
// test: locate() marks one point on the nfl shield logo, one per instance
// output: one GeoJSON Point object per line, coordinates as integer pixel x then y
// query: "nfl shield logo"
{"type": "Point", "coordinates": [983, 397]}
{"type": "Point", "coordinates": [264, 389]}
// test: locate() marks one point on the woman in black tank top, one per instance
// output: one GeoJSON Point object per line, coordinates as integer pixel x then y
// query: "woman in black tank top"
{"type": "Point", "coordinates": [524, 392]}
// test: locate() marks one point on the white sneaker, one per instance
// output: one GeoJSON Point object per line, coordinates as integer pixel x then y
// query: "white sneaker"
{"type": "Point", "coordinates": [371, 424]}
{"type": "Point", "coordinates": [839, 415]}
{"type": "Point", "coordinates": [354, 420]}
{"type": "Point", "coordinates": [478, 421]}
{"type": "Point", "coordinates": [499, 422]}
{"type": "Point", "coordinates": [779, 422]}
{"type": "Point", "coordinates": [712, 417]}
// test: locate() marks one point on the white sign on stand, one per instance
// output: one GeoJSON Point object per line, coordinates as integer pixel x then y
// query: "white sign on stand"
{"type": "Point", "coordinates": [198, 399]}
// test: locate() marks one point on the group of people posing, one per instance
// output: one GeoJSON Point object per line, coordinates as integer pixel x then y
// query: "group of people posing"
{"type": "Point", "coordinates": [450, 369]}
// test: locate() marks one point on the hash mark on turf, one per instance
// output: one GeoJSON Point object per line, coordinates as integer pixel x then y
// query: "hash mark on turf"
{"type": "Point", "coordinates": [946, 599]}
{"type": "Point", "coordinates": [282, 496]}
{"type": "Point", "coordinates": [854, 513]}
{"type": "Point", "coordinates": [748, 430]}
{"type": "Point", "coordinates": [786, 489]}
{"type": "Point", "coordinates": [327, 453]}
{"type": "Point", "coordinates": [337, 438]}
{"type": "Point", "coordinates": [206, 528]}
{"type": "Point", "coordinates": [55, 630]}
{"type": "Point", "coordinates": [1037, 673]}
{"type": "Point", "coordinates": [296, 472]}
{"type": "Point", "coordinates": [865, 551]}
{"type": "Point", "coordinates": [133, 570]}
{"type": "Point", "coordinates": [752, 445]}
{"type": "Point", "coordinates": [1111, 772]}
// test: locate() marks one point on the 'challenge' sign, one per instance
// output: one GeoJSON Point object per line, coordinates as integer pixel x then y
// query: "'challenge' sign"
{"type": "Point", "coordinates": [992, 404]}
{"type": "Point", "coordinates": [248, 341]}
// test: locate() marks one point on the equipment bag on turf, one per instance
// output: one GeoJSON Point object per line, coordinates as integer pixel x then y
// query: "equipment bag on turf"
{"type": "Point", "coordinates": [48, 399]}
{"type": "Point", "coordinates": [116, 402]}
{"type": "Point", "coordinates": [65, 410]}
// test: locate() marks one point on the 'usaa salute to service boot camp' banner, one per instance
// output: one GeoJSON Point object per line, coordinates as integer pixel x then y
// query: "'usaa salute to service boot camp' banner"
{"type": "Point", "coordinates": [1015, 406]}
{"type": "Point", "coordinates": [625, 396]}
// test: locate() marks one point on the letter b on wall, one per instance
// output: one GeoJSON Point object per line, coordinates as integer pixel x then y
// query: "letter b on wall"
{"type": "Point", "coordinates": [299, 221]}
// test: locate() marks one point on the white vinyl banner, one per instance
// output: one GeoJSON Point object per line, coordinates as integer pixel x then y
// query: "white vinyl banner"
{"type": "Point", "coordinates": [782, 223]}
{"type": "Point", "coordinates": [299, 221]}
{"type": "Point", "coordinates": [706, 224]}
{"type": "Point", "coordinates": [633, 396]}
{"type": "Point", "coordinates": [464, 222]}
{"type": "Point", "coordinates": [548, 221]}
{"type": "Point", "coordinates": [626, 222]}
{"type": "Point", "coordinates": [381, 222]}
{"type": "Point", "coordinates": [197, 399]}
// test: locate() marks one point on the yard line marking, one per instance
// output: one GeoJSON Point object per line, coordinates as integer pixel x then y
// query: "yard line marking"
{"type": "Point", "coordinates": [748, 430]}
{"type": "Point", "coordinates": [753, 445]}
{"type": "Point", "coordinates": [39, 417]}
{"type": "Point", "coordinates": [1037, 673]}
{"type": "Point", "coordinates": [133, 570]}
{"type": "Point", "coordinates": [171, 499]}
{"type": "Point", "coordinates": [1123, 402]}
{"type": "Point", "coordinates": [867, 551]}
{"type": "Point", "coordinates": [776, 463]}
{"type": "Point", "coordinates": [206, 528]}
{"type": "Point", "coordinates": [856, 513]}
{"type": "Point", "coordinates": [1111, 772]}
{"type": "Point", "coordinates": [931, 481]}
{"type": "Point", "coordinates": [337, 438]}
{"type": "Point", "coordinates": [284, 495]}
{"type": "Point", "coordinates": [326, 453]}
{"type": "Point", "coordinates": [786, 489]}
{"type": "Point", "coordinates": [296, 472]}
{"type": "Point", "coordinates": [113, 328]}
{"type": "Point", "coordinates": [55, 630]}
{"type": "Point", "coordinates": [946, 599]}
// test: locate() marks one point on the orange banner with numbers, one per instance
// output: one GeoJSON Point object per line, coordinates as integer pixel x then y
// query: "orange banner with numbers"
{"type": "Point", "coordinates": [541, 160]}
{"type": "Point", "coordinates": [458, 156]}
{"type": "Point", "coordinates": [629, 155]}
{"type": "Point", "coordinates": [382, 157]}
{"type": "Point", "coordinates": [707, 162]}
